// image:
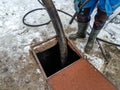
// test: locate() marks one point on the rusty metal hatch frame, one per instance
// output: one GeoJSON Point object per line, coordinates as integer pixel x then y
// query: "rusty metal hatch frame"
{"type": "Point", "coordinates": [50, 81]}
{"type": "Point", "coordinates": [42, 46]}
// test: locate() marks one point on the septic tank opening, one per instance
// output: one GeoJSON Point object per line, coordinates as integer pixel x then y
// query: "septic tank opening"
{"type": "Point", "coordinates": [50, 59]}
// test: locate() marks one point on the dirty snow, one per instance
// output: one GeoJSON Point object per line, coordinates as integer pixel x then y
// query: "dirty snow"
{"type": "Point", "coordinates": [17, 70]}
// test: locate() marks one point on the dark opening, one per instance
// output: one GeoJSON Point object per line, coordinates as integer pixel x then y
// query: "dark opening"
{"type": "Point", "coordinates": [50, 59]}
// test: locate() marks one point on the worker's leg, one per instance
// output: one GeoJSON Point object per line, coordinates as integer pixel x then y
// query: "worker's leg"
{"type": "Point", "coordinates": [83, 22]}
{"type": "Point", "coordinates": [83, 18]}
{"type": "Point", "coordinates": [105, 9]}
{"type": "Point", "coordinates": [100, 20]}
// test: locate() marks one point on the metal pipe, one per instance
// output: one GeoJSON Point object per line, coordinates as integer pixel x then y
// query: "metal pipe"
{"type": "Point", "coordinates": [58, 28]}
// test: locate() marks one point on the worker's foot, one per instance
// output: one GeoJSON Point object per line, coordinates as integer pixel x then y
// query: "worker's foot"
{"type": "Point", "coordinates": [76, 35]}
{"type": "Point", "coordinates": [81, 33]}
{"type": "Point", "coordinates": [91, 40]}
{"type": "Point", "coordinates": [89, 46]}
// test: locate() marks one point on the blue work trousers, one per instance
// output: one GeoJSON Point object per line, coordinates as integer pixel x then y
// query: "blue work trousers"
{"type": "Point", "coordinates": [107, 6]}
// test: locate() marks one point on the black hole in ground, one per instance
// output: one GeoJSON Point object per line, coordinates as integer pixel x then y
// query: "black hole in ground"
{"type": "Point", "coordinates": [50, 59]}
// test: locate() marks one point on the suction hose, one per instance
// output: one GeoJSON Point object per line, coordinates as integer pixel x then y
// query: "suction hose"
{"type": "Point", "coordinates": [58, 28]}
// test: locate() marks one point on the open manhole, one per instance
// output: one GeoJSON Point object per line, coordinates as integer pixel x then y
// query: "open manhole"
{"type": "Point", "coordinates": [76, 71]}
{"type": "Point", "coordinates": [50, 59]}
{"type": "Point", "coordinates": [48, 55]}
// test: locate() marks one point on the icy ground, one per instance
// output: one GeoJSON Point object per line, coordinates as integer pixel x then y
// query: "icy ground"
{"type": "Point", "coordinates": [17, 69]}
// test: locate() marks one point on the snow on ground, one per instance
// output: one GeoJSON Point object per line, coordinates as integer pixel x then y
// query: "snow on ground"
{"type": "Point", "coordinates": [17, 70]}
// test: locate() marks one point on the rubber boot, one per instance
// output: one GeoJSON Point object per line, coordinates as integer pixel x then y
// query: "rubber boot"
{"type": "Point", "coordinates": [81, 33]}
{"type": "Point", "coordinates": [100, 19]}
{"type": "Point", "coordinates": [91, 40]}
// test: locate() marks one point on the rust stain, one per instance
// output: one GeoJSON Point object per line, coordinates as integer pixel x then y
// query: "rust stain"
{"type": "Point", "coordinates": [81, 75]}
